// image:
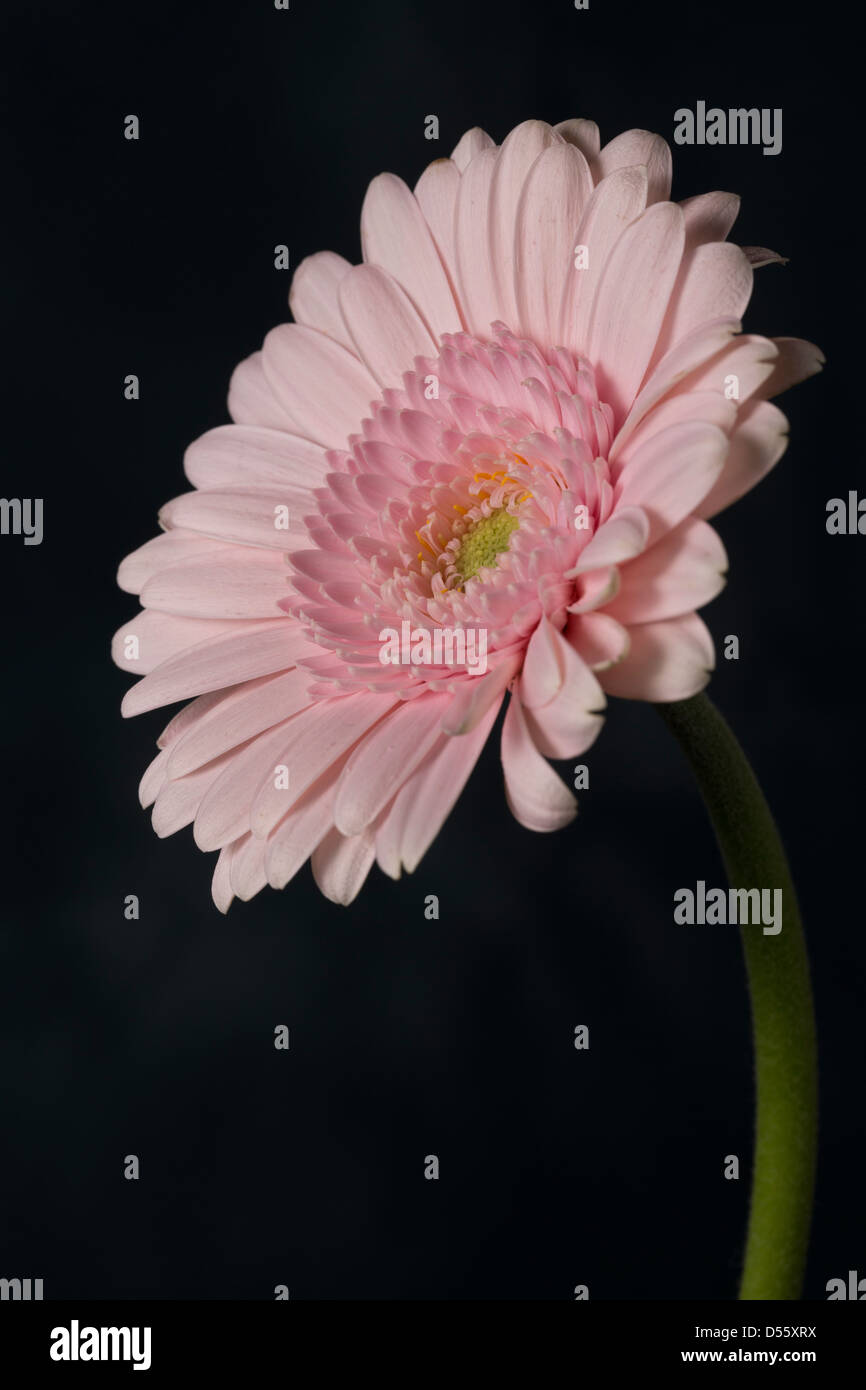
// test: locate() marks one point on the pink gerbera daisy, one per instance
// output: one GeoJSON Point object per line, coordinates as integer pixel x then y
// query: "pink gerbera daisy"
{"type": "Point", "coordinates": [506, 428]}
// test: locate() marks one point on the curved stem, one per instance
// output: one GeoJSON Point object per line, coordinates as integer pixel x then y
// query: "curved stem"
{"type": "Point", "coordinates": [782, 1011]}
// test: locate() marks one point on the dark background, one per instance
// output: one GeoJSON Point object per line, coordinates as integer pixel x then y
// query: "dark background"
{"type": "Point", "coordinates": [408, 1037]}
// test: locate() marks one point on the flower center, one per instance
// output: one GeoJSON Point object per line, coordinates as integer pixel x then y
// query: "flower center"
{"type": "Point", "coordinates": [484, 541]}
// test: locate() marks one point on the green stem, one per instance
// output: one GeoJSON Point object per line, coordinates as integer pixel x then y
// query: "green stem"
{"type": "Point", "coordinates": [782, 1011]}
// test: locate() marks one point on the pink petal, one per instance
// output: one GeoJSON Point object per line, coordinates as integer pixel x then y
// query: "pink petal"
{"type": "Point", "coordinates": [247, 868]}
{"type": "Point", "coordinates": [232, 456]}
{"type": "Point", "coordinates": [615, 204]}
{"type": "Point", "coordinates": [797, 360]}
{"type": "Point", "coordinates": [519, 151]}
{"type": "Point", "coordinates": [670, 474]}
{"type": "Point", "coordinates": [224, 813]}
{"type": "Point", "coordinates": [313, 296]}
{"type": "Point", "coordinates": [638, 147]}
{"type": "Point", "coordinates": [617, 540]}
{"type": "Point", "coordinates": [685, 570]}
{"type": "Point", "coordinates": [240, 583]}
{"type": "Point", "coordinates": [386, 329]}
{"type": "Point", "coordinates": [247, 710]}
{"type": "Point", "coordinates": [153, 779]}
{"type": "Point", "coordinates": [474, 698]}
{"type": "Point", "coordinates": [221, 885]}
{"type": "Point", "coordinates": [318, 738]}
{"type": "Point", "coordinates": [757, 444]}
{"type": "Point", "coordinates": [714, 282]}
{"type": "Point", "coordinates": [599, 639]}
{"type": "Point", "coordinates": [469, 145]}
{"type": "Point", "coordinates": [251, 398]}
{"type": "Point", "coordinates": [389, 754]}
{"type": "Point", "coordinates": [557, 189]}
{"type": "Point", "coordinates": [667, 661]}
{"type": "Point", "coordinates": [322, 386]}
{"type": "Point", "coordinates": [631, 302]}
{"type": "Point", "coordinates": [436, 787]}
{"type": "Point", "coordinates": [241, 653]}
{"type": "Point", "coordinates": [536, 796]}
{"type": "Point", "coordinates": [569, 722]}
{"type": "Point", "coordinates": [709, 217]}
{"type": "Point", "coordinates": [341, 865]}
{"type": "Point", "coordinates": [477, 288]}
{"type": "Point", "coordinates": [160, 636]}
{"type": "Point", "coordinates": [395, 236]}
{"type": "Point", "coordinates": [164, 551]}
{"type": "Point", "coordinates": [436, 195]}
{"type": "Point", "coordinates": [584, 135]}
{"type": "Point", "coordinates": [688, 356]}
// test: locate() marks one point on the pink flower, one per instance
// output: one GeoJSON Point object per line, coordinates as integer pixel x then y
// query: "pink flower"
{"type": "Point", "coordinates": [508, 425]}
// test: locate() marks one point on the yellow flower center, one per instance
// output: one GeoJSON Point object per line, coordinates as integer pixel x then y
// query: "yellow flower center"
{"type": "Point", "coordinates": [484, 540]}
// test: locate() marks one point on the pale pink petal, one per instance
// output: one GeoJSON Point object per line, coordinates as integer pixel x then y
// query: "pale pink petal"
{"type": "Point", "coordinates": [387, 331]}
{"type": "Point", "coordinates": [224, 813]}
{"type": "Point", "coordinates": [322, 386]}
{"type": "Point", "coordinates": [221, 883]}
{"type": "Point", "coordinates": [244, 583]}
{"type": "Point", "coordinates": [685, 570]}
{"type": "Point", "coordinates": [615, 204]}
{"type": "Point", "coordinates": [153, 779]}
{"type": "Point", "coordinates": [671, 474]}
{"type": "Point", "coordinates": [149, 639]}
{"type": "Point", "coordinates": [700, 347]}
{"type": "Point", "coordinates": [247, 868]}
{"type": "Point", "coordinates": [618, 540]}
{"type": "Point", "coordinates": [518, 153]}
{"type": "Point", "coordinates": [543, 671]}
{"type": "Point", "coordinates": [631, 302]}
{"type": "Point", "coordinates": [251, 397]}
{"type": "Point", "coordinates": [536, 796]}
{"type": "Point", "coordinates": [638, 147]}
{"type": "Point", "coordinates": [568, 723]}
{"type": "Point", "coordinates": [469, 145]}
{"type": "Point", "coordinates": [395, 236]}
{"type": "Point", "coordinates": [440, 782]}
{"type": "Point", "coordinates": [706, 407]}
{"type": "Point", "coordinates": [474, 698]}
{"type": "Point", "coordinates": [757, 444]}
{"type": "Point", "coordinates": [436, 194]}
{"type": "Point", "coordinates": [709, 217]}
{"type": "Point", "coordinates": [290, 845]}
{"type": "Point", "coordinates": [584, 135]}
{"type": "Point", "coordinates": [239, 651]}
{"type": "Point", "coordinates": [341, 864]}
{"type": "Point", "coordinates": [313, 297]}
{"type": "Point", "coordinates": [389, 753]}
{"type": "Point", "coordinates": [667, 661]}
{"type": "Point", "coordinates": [797, 360]}
{"type": "Point", "coordinates": [715, 281]}
{"type": "Point", "coordinates": [163, 552]}
{"type": "Point", "coordinates": [556, 191]}
{"type": "Point", "coordinates": [247, 710]}
{"type": "Point", "coordinates": [477, 288]}
{"type": "Point", "coordinates": [599, 639]}
{"type": "Point", "coordinates": [232, 456]}
{"type": "Point", "coordinates": [177, 802]}
{"type": "Point", "coordinates": [317, 739]}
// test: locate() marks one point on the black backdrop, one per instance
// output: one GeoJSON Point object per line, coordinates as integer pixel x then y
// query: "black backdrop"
{"type": "Point", "coordinates": [408, 1037]}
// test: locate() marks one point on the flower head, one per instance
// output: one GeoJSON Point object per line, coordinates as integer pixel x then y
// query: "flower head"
{"type": "Point", "coordinates": [502, 433]}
